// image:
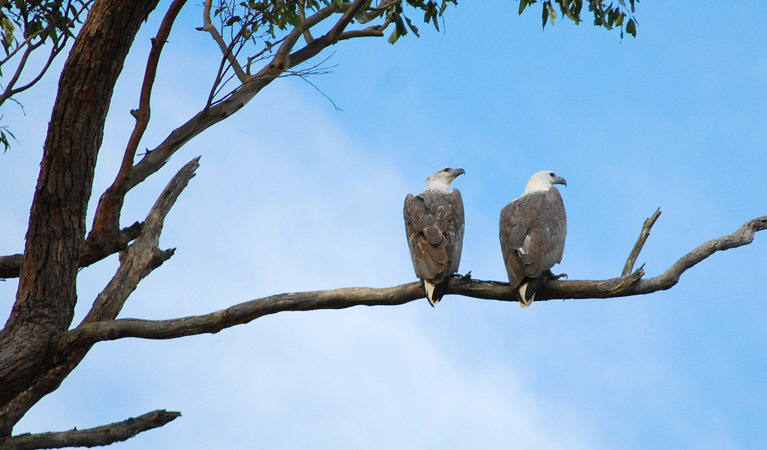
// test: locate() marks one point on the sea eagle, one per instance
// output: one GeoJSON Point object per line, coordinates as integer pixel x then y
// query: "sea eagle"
{"type": "Point", "coordinates": [434, 227]}
{"type": "Point", "coordinates": [532, 232]}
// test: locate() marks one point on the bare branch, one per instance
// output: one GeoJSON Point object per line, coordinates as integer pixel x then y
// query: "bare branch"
{"type": "Point", "coordinates": [375, 31]}
{"type": "Point", "coordinates": [137, 262]}
{"type": "Point", "coordinates": [648, 223]}
{"type": "Point", "coordinates": [302, 15]}
{"type": "Point", "coordinates": [625, 286]}
{"type": "Point", "coordinates": [144, 255]}
{"type": "Point", "coordinates": [156, 158]}
{"type": "Point", "coordinates": [55, 50]}
{"type": "Point", "coordinates": [87, 334]}
{"type": "Point", "coordinates": [106, 223]}
{"type": "Point", "coordinates": [90, 333]}
{"type": "Point", "coordinates": [335, 33]}
{"type": "Point", "coordinates": [283, 59]}
{"type": "Point", "coordinates": [92, 437]}
{"type": "Point", "coordinates": [225, 49]}
{"type": "Point", "coordinates": [10, 266]}
{"type": "Point", "coordinates": [28, 45]}
{"type": "Point", "coordinates": [317, 45]}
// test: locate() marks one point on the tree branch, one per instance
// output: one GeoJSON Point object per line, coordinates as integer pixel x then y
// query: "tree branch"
{"type": "Point", "coordinates": [156, 158]}
{"type": "Point", "coordinates": [106, 223]}
{"type": "Point", "coordinates": [335, 33]}
{"type": "Point", "coordinates": [90, 333]}
{"type": "Point", "coordinates": [144, 255]}
{"type": "Point", "coordinates": [332, 36]}
{"type": "Point", "coordinates": [374, 31]}
{"type": "Point", "coordinates": [92, 437]}
{"type": "Point", "coordinates": [648, 223]}
{"type": "Point", "coordinates": [302, 15]}
{"type": "Point", "coordinates": [225, 49]}
{"type": "Point", "coordinates": [10, 266]}
{"type": "Point", "coordinates": [137, 262]}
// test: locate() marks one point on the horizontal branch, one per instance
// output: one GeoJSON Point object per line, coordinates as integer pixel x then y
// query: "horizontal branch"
{"type": "Point", "coordinates": [633, 284]}
{"type": "Point", "coordinates": [92, 437]}
{"type": "Point", "coordinates": [10, 266]}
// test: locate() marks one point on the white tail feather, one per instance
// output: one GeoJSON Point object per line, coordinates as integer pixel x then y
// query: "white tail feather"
{"type": "Point", "coordinates": [522, 291]}
{"type": "Point", "coordinates": [429, 287]}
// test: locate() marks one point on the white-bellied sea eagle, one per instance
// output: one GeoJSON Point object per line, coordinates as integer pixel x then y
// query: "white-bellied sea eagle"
{"type": "Point", "coordinates": [434, 227]}
{"type": "Point", "coordinates": [532, 232]}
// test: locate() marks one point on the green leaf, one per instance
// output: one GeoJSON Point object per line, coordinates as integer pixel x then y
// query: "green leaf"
{"type": "Point", "coordinates": [548, 13]}
{"type": "Point", "coordinates": [232, 20]}
{"type": "Point", "coordinates": [443, 7]}
{"type": "Point", "coordinates": [619, 21]}
{"type": "Point", "coordinates": [400, 25]}
{"type": "Point", "coordinates": [394, 36]}
{"type": "Point", "coordinates": [522, 5]}
{"type": "Point", "coordinates": [8, 30]}
{"type": "Point", "coordinates": [631, 28]}
{"type": "Point", "coordinates": [412, 27]}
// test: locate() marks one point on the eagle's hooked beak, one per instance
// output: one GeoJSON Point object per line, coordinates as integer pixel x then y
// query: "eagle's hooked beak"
{"type": "Point", "coordinates": [455, 172]}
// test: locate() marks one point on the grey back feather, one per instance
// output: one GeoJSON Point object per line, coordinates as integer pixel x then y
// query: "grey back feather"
{"type": "Point", "coordinates": [434, 224]}
{"type": "Point", "coordinates": [532, 232]}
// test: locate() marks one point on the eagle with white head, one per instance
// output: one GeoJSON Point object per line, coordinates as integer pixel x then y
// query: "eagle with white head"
{"type": "Point", "coordinates": [532, 231]}
{"type": "Point", "coordinates": [434, 226]}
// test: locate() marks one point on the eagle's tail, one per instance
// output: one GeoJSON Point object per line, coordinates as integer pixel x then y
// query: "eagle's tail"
{"type": "Point", "coordinates": [434, 292]}
{"type": "Point", "coordinates": [526, 291]}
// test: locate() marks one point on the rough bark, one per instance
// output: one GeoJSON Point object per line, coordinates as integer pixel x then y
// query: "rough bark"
{"type": "Point", "coordinates": [56, 234]}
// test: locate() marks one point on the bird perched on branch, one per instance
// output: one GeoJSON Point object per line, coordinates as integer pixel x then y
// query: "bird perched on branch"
{"type": "Point", "coordinates": [532, 233]}
{"type": "Point", "coordinates": [434, 227]}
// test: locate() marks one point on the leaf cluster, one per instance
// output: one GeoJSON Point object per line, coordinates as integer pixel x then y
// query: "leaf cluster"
{"type": "Point", "coordinates": [269, 20]}
{"type": "Point", "coordinates": [36, 21]}
{"type": "Point", "coordinates": [606, 15]}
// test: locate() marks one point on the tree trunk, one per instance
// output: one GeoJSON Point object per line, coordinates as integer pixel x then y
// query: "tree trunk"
{"type": "Point", "coordinates": [47, 292]}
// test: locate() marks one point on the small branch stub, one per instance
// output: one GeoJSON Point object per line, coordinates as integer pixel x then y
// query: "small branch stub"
{"type": "Point", "coordinates": [643, 235]}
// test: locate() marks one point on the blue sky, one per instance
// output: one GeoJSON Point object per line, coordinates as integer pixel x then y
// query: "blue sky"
{"type": "Point", "coordinates": [294, 195]}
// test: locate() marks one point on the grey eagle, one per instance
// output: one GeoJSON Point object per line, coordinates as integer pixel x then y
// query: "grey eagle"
{"type": "Point", "coordinates": [434, 228]}
{"type": "Point", "coordinates": [532, 232]}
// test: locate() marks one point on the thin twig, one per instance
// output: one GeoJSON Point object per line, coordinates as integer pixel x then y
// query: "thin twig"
{"type": "Point", "coordinates": [302, 15]}
{"type": "Point", "coordinates": [648, 223]}
{"type": "Point", "coordinates": [225, 49]}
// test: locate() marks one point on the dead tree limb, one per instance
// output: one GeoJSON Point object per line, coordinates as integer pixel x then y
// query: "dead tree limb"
{"type": "Point", "coordinates": [140, 259]}
{"type": "Point", "coordinates": [89, 333]}
{"type": "Point", "coordinates": [643, 235]}
{"type": "Point", "coordinates": [91, 437]}
{"type": "Point", "coordinates": [10, 266]}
